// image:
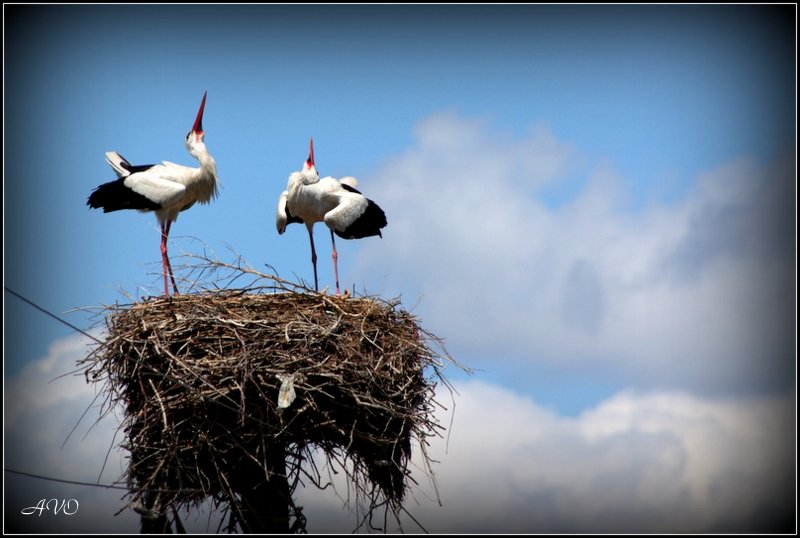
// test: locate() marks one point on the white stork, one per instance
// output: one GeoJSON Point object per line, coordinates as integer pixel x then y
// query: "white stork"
{"type": "Point", "coordinates": [347, 212]}
{"type": "Point", "coordinates": [165, 188]}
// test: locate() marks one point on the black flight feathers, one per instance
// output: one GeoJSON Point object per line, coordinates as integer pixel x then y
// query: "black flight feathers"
{"type": "Point", "coordinates": [115, 195]}
{"type": "Point", "coordinates": [368, 224]}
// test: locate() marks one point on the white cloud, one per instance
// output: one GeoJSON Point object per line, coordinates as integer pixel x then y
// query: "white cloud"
{"type": "Point", "coordinates": [41, 376]}
{"type": "Point", "coordinates": [694, 294]}
{"type": "Point", "coordinates": [42, 408]}
{"type": "Point", "coordinates": [654, 461]}
{"type": "Point", "coordinates": [657, 462]}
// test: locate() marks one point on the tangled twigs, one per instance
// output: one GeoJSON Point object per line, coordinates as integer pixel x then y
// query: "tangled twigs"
{"type": "Point", "coordinates": [199, 378]}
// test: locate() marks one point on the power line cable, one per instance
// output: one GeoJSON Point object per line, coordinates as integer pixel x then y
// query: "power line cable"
{"type": "Point", "coordinates": [62, 480]}
{"type": "Point", "coordinates": [87, 484]}
{"type": "Point", "coordinates": [39, 308]}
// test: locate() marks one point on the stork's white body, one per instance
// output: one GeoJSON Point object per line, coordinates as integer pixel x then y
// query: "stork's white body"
{"type": "Point", "coordinates": [321, 200]}
{"type": "Point", "coordinates": [171, 186]}
{"type": "Point", "coordinates": [336, 202]}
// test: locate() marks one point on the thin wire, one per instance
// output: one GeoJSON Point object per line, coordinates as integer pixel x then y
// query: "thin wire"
{"type": "Point", "coordinates": [37, 307]}
{"type": "Point", "coordinates": [74, 482]}
{"type": "Point", "coordinates": [88, 484]}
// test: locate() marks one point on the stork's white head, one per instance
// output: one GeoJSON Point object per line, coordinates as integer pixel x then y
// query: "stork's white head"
{"type": "Point", "coordinates": [194, 139]}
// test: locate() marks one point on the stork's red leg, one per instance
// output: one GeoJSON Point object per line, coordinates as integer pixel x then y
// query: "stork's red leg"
{"type": "Point", "coordinates": [335, 263]}
{"type": "Point", "coordinates": [165, 258]}
{"type": "Point", "coordinates": [313, 257]}
{"type": "Point", "coordinates": [164, 261]}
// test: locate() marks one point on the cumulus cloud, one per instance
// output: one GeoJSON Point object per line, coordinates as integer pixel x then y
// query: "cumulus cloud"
{"type": "Point", "coordinates": [638, 462]}
{"type": "Point", "coordinates": [694, 294]}
{"type": "Point", "coordinates": [41, 376]}
{"type": "Point", "coordinates": [654, 461]}
{"type": "Point", "coordinates": [46, 434]}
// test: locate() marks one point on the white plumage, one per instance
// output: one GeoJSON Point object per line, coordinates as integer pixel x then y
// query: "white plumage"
{"type": "Point", "coordinates": [166, 188]}
{"type": "Point", "coordinates": [336, 202]}
{"type": "Point", "coordinates": [172, 187]}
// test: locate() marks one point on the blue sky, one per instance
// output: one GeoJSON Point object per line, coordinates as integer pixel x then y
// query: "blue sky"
{"type": "Point", "coordinates": [592, 204]}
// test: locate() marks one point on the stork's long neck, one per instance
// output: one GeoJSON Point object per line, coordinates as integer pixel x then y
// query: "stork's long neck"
{"type": "Point", "coordinates": [305, 177]}
{"type": "Point", "coordinates": [207, 173]}
{"type": "Point", "coordinates": [310, 175]}
{"type": "Point", "coordinates": [208, 166]}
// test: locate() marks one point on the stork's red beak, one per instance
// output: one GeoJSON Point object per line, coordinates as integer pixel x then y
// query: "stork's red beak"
{"type": "Point", "coordinates": [311, 153]}
{"type": "Point", "coordinates": [198, 122]}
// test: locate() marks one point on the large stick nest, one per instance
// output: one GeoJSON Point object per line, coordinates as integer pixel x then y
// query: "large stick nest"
{"type": "Point", "coordinates": [206, 382]}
